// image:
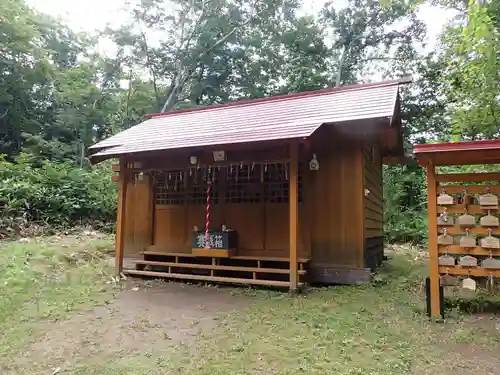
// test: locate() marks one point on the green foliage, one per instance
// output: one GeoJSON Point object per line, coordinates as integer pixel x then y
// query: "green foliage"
{"type": "Point", "coordinates": [405, 203]}
{"type": "Point", "coordinates": [472, 72]}
{"type": "Point", "coordinates": [53, 193]}
{"type": "Point", "coordinates": [58, 95]}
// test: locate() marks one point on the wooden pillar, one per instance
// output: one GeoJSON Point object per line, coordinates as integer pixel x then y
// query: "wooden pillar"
{"type": "Point", "coordinates": [433, 234]}
{"type": "Point", "coordinates": [121, 216]}
{"type": "Point", "coordinates": [293, 202]}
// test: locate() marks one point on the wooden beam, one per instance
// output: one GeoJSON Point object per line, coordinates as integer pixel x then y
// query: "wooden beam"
{"type": "Point", "coordinates": [471, 209]}
{"type": "Point", "coordinates": [471, 189]}
{"type": "Point", "coordinates": [153, 250]}
{"type": "Point", "coordinates": [433, 247]}
{"type": "Point", "coordinates": [216, 267]}
{"type": "Point", "coordinates": [473, 271]}
{"type": "Point", "coordinates": [468, 177]}
{"type": "Point", "coordinates": [456, 249]}
{"type": "Point", "coordinates": [121, 217]}
{"type": "Point", "coordinates": [217, 279]}
{"type": "Point", "coordinates": [294, 203]}
{"type": "Point", "coordinates": [476, 230]}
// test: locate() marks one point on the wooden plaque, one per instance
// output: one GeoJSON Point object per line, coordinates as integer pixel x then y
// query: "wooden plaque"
{"type": "Point", "coordinates": [444, 200]}
{"type": "Point", "coordinates": [491, 263]}
{"type": "Point", "coordinates": [445, 219]}
{"type": "Point", "coordinates": [445, 239]}
{"type": "Point", "coordinates": [488, 201]}
{"type": "Point", "coordinates": [489, 221]}
{"type": "Point", "coordinates": [469, 283]}
{"type": "Point", "coordinates": [490, 242]}
{"type": "Point", "coordinates": [468, 241]}
{"type": "Point", "coordinates": [449, 280]}
{"type": "Point", "coordinates": [468, 261]}
{"type": "Point", "coordinates": [466, 220]}
{"type": "Point", "coordinates": [227, 240]}
{"type": "Point", "coordinates": [446, 260]}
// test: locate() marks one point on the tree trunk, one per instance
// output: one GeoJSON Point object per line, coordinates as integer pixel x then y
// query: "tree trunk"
{"type": "Point", "coordinates": [338, 78]}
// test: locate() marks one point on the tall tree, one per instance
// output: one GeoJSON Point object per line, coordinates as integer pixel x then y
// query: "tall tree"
{"type": "Point", "coordinates": [24, 73]}
{"type": "Point", "coordinates": [369, 31]}
{"type": "Point", "coordinates": [472, 50]}
{"type": "Point", "coordinates": [203, 52]}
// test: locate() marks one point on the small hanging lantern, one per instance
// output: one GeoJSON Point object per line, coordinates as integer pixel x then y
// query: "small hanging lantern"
{"type": "Point", "coordinates": [193, 160]}
{"type": "Point", "coordinates": [314, 164]}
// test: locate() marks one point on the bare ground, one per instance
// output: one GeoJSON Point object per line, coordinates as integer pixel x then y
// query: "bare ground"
{"type": "Point", "coordinates": [146, 315]}
{"type": "Point", "coordinates": [235, 333]}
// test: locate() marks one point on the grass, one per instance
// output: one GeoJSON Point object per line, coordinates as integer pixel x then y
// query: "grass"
{"type": "Point", "coordinates": [48, 280]}
{"type": "Point", "coordinates": [376, 329]}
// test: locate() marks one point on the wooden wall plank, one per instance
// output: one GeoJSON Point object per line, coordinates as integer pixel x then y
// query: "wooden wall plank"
{"type": "Point", "coordinates": [246, 219]}
{"type": "Point", "coordinates": [128, 245]}
{"type": "Point", "coordinates": [121, 217]}
{"type": "Point", "coordinates": [170, 232]}
{"type": "Point", "coordinates": [373, 201]}
{"type": "Point", "coordinates": [140, 216]}
{"type": "Point", "coordinates": [375, 206]}
{"type": "Point", "coordinates": [336, 201]}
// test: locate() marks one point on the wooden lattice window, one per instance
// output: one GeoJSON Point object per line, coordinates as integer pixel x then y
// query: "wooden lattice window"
{"type": "Point", "coordinates": [198, 185]}
{"type": "Point", "coordinates": [243, 184]}
{"type": "Point", "coordinates": [277, 184]}
{"type": "Point", "coordinates": [170, 187]}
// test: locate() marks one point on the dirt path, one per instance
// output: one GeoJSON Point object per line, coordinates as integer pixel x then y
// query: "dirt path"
{"type": "Point", "coordinates": [144, 317]}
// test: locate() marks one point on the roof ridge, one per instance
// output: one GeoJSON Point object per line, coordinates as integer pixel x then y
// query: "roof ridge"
{"type": "Point", "coordinates": [296, 95]}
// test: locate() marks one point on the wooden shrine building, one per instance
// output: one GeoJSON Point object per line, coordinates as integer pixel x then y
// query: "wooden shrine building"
{"type": "Point", "coordinates": [277, 191]}
{"type": "Point", "coordinates": [463, 217]}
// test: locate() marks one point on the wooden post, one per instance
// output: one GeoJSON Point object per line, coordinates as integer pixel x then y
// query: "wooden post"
{"type": "Point", "coordinates": [294, 202]}
{"type": "Point", "coordinates": [433, 248]}
{"type": "Point", "coordinates": [120, 216]}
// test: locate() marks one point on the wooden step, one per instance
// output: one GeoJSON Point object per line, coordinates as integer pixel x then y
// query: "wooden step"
{"type": "Point", "coordinates": [230, 280]}
{"type": "Point", "coordinates": [238, 257]}
{"type": "Point", "coordinates": [217, 267]}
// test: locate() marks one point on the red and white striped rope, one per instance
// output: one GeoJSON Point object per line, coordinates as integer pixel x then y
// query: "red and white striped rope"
{"type": "Point", "coordinates": [207, 218]}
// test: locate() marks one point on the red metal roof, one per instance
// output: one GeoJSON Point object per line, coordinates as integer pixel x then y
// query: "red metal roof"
{"type": "Point", "coordinates": [454, 153]}
{"type": "Point", "coordinates": [282, 117]}
{"type": "Point", "coordinates": [457, 146]}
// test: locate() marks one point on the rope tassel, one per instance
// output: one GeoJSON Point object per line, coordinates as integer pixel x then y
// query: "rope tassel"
{"type": "Point", "coordinates": [207, 218]}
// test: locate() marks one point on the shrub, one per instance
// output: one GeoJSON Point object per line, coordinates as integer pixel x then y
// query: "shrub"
{"type": "Point", "coordinates": [54, 194]}
{"type": "Point", "coordinates": [405, 204]}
